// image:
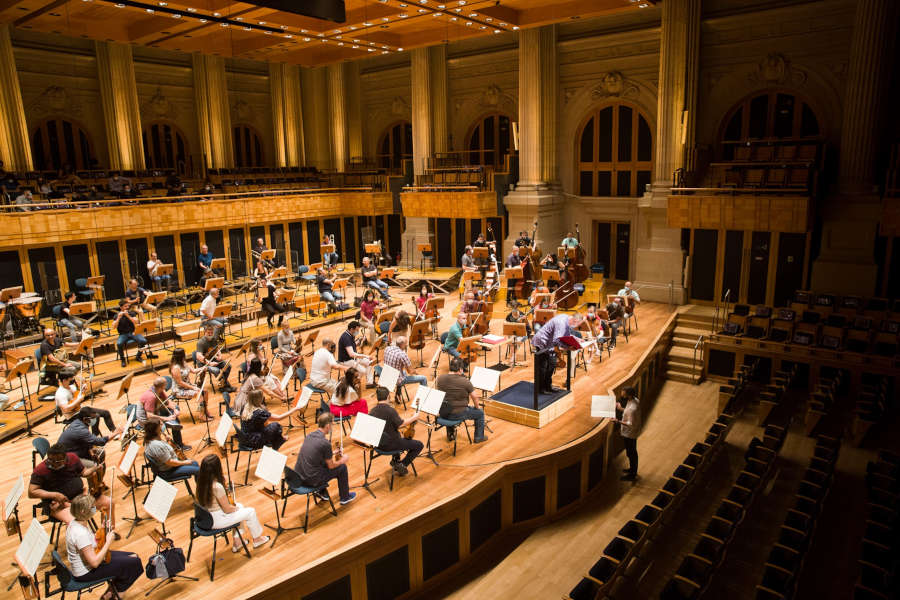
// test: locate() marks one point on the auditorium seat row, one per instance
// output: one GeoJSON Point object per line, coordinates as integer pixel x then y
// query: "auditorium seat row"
{"type": "Point", "coordinates": [878, 559]}
{"type": "Point", "coordinates": [637, 536]}
{"type": "Point", "coordinates": [786, 558]}
{"type": "Point", "coordinates": [822, 400]}
{"type": "Point", "coordinates": [874, 400]}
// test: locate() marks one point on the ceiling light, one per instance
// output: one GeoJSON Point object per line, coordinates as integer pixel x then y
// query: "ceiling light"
{"type": "Point", "coordinates": [399, 49]}
{"type": "Point", "coordinates": [462, 2]}
{"type": "Point", "coordinates": [423, 1]}
{"type": "Point", "coordinates": [453, 18]}
{"type": "Point", "coordinates": [338, 37]}
{"type": "Point", "coordinates": [150, 10]}
{"type": "Point", "coordinates": [201, 20]}
{"type": "Point", "coordinates": [404, 5]}
{"type": "Point", "coordinates": [643, 5]}
{"type": "Point", "coordinates": [120, 6]}
{"type": "Point", "coordinates": [459, 10]}
{"type": "Point", "coordinates": [340, 43]}
{"type": "Point", "coordinates": [496, 31]}
{"type": "Point", "coordinates": [423, 10]}
{"type": "Point", "coordinates": [215, 14]}
{"type": "Point", "coordinates": [502, 24]}
{"type": "Point", "coordinates": [239, 18]}
{"type": "Point", "coordinates": [367, 24]}
{"type": "Point", "coordinates": [384, 47]}
{"type": "Point", "coordinates": [515, 27]}
{"type": "Point", "coordinates": [355, 47]}
{"type": "Point", "coordinates": [488, 19]}
{"type": "Point", "coordinates": [468, 23]}
{"type": "Point", "coordinates": [191, 9]}
{"type": "Point", "coordinates": [483, 27]}
{"type": "Point", "coordinates": [371, 43]}
{"type": "Point", "coordinates": [403, 15]}
{"type": "Point", "coordinates": [442, 6]}
{"type": "Point", "coordinates": [371, 49]}
{"type": "Point", "coordinates": [436, 14]}
{"type": "Point", "coordinates": [246, 28]}
{"type": "Point", "coordinates": [288, 36]}
{"type": "Point", "coordinates": [385, 19]}
{"type": "Point", "coordinates": [355, 41]}
{"type": "Point", "coordinates": [260, 22]}
{"type": "Point", "coordinates": [384, 51]}
{"type": "Point", "coordinates": [162, 3]}
{"type": "Point", "coordinates": [306, 39]}
{"type": "Point", "coordinates": [223, 24]}
{"type": "Point", "coordinates": [302, 31]}
{"type": "Point", "coordinates": [176, 16]}
{"type": "Point", "coordinates": [473, 15]}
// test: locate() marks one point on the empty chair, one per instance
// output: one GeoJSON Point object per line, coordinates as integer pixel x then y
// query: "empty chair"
{"type": "Point", "coordinates": [673, 486]}
{"type": "Point", "coordinates": [730, 511]}
{"type": "Point", "coordinates": [778, 580]}
{"type": "Point", "coordinates": [649, 516]}
{"type": "Point", "coordinates": [633, 531]}
{"type": "Point", "coordinates": [679, 588]}
{"type": "Point", "coordinates": [662, 500]}
{"type": "Point", "coordinates": [586, 589]}
{"type": "Point", "coordinates": [880, 534]}
{"type": "Point", "coordinates": [603, 572]}
{"type": "Point", "coordinates": [711, 549]}
{"type": "Point", "coordinates": [618, 549]}
{"type": "Point", "coordinates": [785, 558]}
{"type": "Point", "coordinates": [748, 480]}
{"type": "Point", "coordinates": [739, 495]}
{"type": "Point", "coordinates": [684, 473]}
{"type": "Point", "coordinates": [720, 529]}
{"type": "Point", "coordinates": [695, 569]}
{"type": "Point", "coordinates": [794, 539]}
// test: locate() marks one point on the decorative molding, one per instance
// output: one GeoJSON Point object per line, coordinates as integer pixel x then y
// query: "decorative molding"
{"type": "Point", "coordinates": [776, 69]}
{"type": "Point", "coordinates": [158, 107]}
{"type": "Point", "coordinates": [400, 107]}
{"type": "Point", "coordinates": [55, 100]}
{"type": "Point", "coordinates": [242, 112]}
{"type": "Point", "coordinates": [614, 84]}
{"type": "Point", "coordinates": [493, 96]}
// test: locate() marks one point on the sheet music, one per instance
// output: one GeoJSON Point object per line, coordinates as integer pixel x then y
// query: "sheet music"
{"type": "Point", "coordinates": [428, 400]}
{"type": "Point", "coordinates": [305, 395]}
{"type": "Point", "coordinates": [128, 457]}
{"type": "Point", "coordinates": [492, 339]}
{"type": "Point", "coordinates": [129, 419]}
{"type": "Point", "coordinates": [286, 378]}
{"type": "Point", "coordinates": [222, 430]}
{"type": "Point", "coordinates": [31, 550]}
{"type": "Point", "coordinates": [603, 407]}
{"type": "Point", "coordinates": [485, 379]}
{"type": "Point", "coordinates": [12, 498]}
{"type": "Point", "coordinates": [367, 429]}
{"type": "Point", "coordinates": [159, 500]}
{"type": "Point", "coordinates": [271, 465]}
{"type": "Point", "coordinates": [389, 377]}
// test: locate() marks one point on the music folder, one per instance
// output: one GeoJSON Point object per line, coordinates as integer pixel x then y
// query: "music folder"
{"type": "Point", "coordinates": [159, 500]}
{"type": "Point", "coordinates": [603, 407]}
{"type": "Point", "coordinates": [367, 429]}
{"type": "Point", "coordinates": [271, 465]}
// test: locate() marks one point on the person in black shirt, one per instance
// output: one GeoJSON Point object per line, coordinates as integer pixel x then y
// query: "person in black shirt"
{"type": "Point", "coordinates": [390, 437]}
{"type": "Point", "coordinates": [348, 356]}
{"type": "Point", "coordinates": [616, 314]}
{"type": "Point", "coordinates": [513, 260]}
{"type": "Point", "coordinates": [523, 240]}
{"type": "Point", "coordinates": [125, 325]}
{"type": "Point", "coordinates": [325, 287]}
{"type": "Point", "coordinates": [78, 439]}
{"type": "Point", "coordinates": [551, 261]}
{"type": "Point", "coordinates": [66, 319]}
{"type": "Point", "coordinates": [316, 464]}
{"type": "Point", "coordinates": [49, 346]}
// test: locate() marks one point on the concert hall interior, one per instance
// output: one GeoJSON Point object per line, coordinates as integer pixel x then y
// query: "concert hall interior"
{"type": "Point", "coordinates": [375, 299]}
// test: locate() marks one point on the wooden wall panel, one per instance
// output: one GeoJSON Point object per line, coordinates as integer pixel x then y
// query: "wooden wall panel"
{"type": "Point", "coordinates": [52, 226]}
{"type": "Point", "coordinates": [785, 214]}
{"type": "Point", "coordinates": [890, 217]}
{"type": "Point", "coordinates": [449, 205]}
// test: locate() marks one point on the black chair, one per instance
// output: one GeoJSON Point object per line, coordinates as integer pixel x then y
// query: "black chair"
{"type": "Point", "coordinates": [40, 446]}
{"type": "Point", "coordinates": [730, 511]}
{"type": "Point", "coordinates": [292, 485]}
{"type": "Point", "coordinates": [586, 589]}
{"type": "Point", "coordinates": [395, 455]}
{"type": "Point", "coordinates": [242, 446]}
{"type": "Point", "coordinates": [170, 478]}
{"type": "Point", "coordinates": [778, 580]}
{"type": "Point", "coordinates": [695, 569]}
{"type": "Point", "coordinates": [793, 538]}
{"type": "Point", "coordinates": [604, 573]}
{"type": "Point", "coordinates": [710, 549]}
{"type": "Point", "coordinates": [679, 588]}
{"type": "Point", "coordinates": [619, 549]}
{"type": "Point", "coordinates": [719, 529]}
{"type": "Point", "coordinates": [67, 581]}
{"type": "Point", "coordinates": [202, 526]}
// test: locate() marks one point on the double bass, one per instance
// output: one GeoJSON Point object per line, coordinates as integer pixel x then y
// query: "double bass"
{"type": "Point", "coordinates": [574, 271]}
{"type": "Point", "coordinates": [523, 286]}
{"type": "Point", "coordinates": [580, 269]}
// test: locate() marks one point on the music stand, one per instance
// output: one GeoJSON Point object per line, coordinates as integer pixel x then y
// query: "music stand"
{"type": "Point", "coordinates": [516, 330]}
{"type": "Point", "coordinates": [425, 252]}
{"type": "Point", "coordinates": [549, 275]}
{"type": "Point", "coordinates": [166, 269]}
{"type": "Point", "coordinates": [85, 351]}
{"type": "Point", "coordinates": [20, 370]}
{"type": "Point", "coordinates": [542, 315]}
{"type": "Point", "coordinates": [155, 298]}
{"type": "Point", "coordinates": [469, 346]}
{"type": "Point", "coordinates": [218, 264]}
{"type": "Point", "coordinates": [28, 557]}
{"type": "Point", "coordinates": [267, 255]}
{"type": "Point", "coordinates": [326, 248]}
{"type": "Point", "coordinates": [480, 253]}
{"type": "Point", "coordinates": [213, 282]}
{"type": "Point", "coordinates": [83, 308]}
{"type": "Point", "coordinates": [128, 477]}
{"type": "Point", "coordinates": [224, 310]}
{"type": "Point", "coordinates": [146, 328]}
{"type": "Point", "coordinates": [341, 284]}
{"type": "Point", "coordinates": [419, 328]}
{"type": "Point", "coordinates": [513, 273]}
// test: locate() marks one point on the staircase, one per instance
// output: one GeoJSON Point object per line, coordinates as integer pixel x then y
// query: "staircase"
{"type": "Point", "coordinates": [692, 322]}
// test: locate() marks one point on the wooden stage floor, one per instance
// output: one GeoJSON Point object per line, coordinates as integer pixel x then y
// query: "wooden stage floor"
{"type": "Point", "coordinates": [238, 577]}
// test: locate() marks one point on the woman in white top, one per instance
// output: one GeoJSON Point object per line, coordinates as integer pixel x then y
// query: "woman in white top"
{"type": "Point", "coordinates": [181, 387]}
{"type": "Point", "coordinates": [346, 400]}
{"type": "Point", "coordinates": [86, 559]}
{"type": "Point", "coordinates": [211, 496]}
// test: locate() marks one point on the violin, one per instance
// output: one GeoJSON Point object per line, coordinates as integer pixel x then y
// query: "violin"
{"type": "Point", "coordinates": [409, 432]}
{"type": "Point", "coordinates": [96, 486]}
{"type": "Point", "coordinates": [107, 522]}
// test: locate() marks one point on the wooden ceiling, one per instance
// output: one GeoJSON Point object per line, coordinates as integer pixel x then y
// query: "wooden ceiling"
{"type": "Point", "coordinates": [242, 30]}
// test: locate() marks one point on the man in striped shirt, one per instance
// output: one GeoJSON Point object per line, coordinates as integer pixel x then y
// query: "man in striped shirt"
{"type": "Point", "coordinates": [395, 356]}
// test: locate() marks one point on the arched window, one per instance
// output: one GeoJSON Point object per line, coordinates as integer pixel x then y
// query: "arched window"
{"type": "Point", "coordinates": [395, 145]}
{"type": "Point", "coordinates": [772, 115]}
{"type": "Point", "coordinates": [248, 147]}
{"type": "Point", "coordinates": [615, 152]}
{"type": "Point", "coordinates": [489, 140]}
{"type": "Point", "coordinates": [57, 143]}
{"type": "Point", "coordinates": [165, 146]}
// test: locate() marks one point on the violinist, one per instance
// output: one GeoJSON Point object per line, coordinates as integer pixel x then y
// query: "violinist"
{"type": "Point", "coordinates": [470, 304]}
{"type": "Point", "coordinates": [421, 300]}
{"type": "Point", "coordinates": [162, 457]}
{"type": "Point", "coordinates": [391, 439]}
{"type": "Point", "coordinates": [182, 388]}
{"type": "Point", "coordinates": [211, 495]}
{"type": "Point", "coordinates": [125, 325]}
{"type": "Point", "coordinates": [78, 439]}
{"type": "Point", "coordinates": [395, 356]}
{"type": "Point", "coordinates": [523, 240]}
{"type": "Point", "coordinates": [367, 309]}
{"type": "Point", "coordinates": [89, 561]}
{"type": "Point", "coordinates": [286, 346]}
{"type": "Point", "coordinates": [551, 261]}
{"type": "Point", "coordinates": [517, 316]}
{"type": "Point", "coordinates": [261, 427]}
{"type": "Point", "coordinates": [70, 405]}
{"type": "Point", "coordinates": [57, 481]}
{"type": "Point", "coordinates": [399, 325]}
{"type": "Point", "coordinates": [450, 340]}
{"type": "Point", "coordinates": [316, 464]}
{"type": "Point", "coordinates": [205, 357]}
{"type": "Point", "coordinates": [631, 297]}
{"type": "Point", "coordinates": [154, 406]}
{"type": "Point", "coordinates": [513, 260]}
{"type": "Point", "coordinates": [136, 296]}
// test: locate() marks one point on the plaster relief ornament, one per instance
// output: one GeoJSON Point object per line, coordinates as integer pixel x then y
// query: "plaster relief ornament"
{"type": "Point", "coordinates": [614, 84]}
{"type": "Point", "coordinates": [776, 69]}
{"type": "Point", "coordinates": [54, 100]}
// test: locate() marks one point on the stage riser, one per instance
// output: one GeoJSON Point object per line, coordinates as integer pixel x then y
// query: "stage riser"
{"type": "Point", "coordinates": [527, 416]}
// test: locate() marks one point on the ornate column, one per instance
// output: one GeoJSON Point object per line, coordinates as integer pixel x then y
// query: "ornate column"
{"type": "Point", "coordinates": [15, 149]}
{"type": "Point", "coordinates": [287, 114]}
{"type": "Point", "coordinates": [355, 132]}
{"type": "Point", "coordinates": [421, 108]}
{"type": "Point", "coordinates": [337, 111]}
{"type": "Point", "coordinates": [213, 110]}
{"type": "Point", "coordinates": [121, 113]}
{"type": "Point", "coordinates": [846, 263]}
{"type": "Point", "coordinates": [659, 260]}
{"type": "Point", "coordinates": [537, 195]}
{"type": "Point", "coordinates": [315, 110]}
{"type": "Point", "coordinates": [439, 129]}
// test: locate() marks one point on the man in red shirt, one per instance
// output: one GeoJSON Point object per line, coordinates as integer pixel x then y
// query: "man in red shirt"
{"type": "Point", "coordinates": [154, 406]}
{"type": "Point", "coordinates": [57, 481]}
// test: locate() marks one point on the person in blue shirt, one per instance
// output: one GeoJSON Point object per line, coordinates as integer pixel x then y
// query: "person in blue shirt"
{"type": "Point", "coordinates": [204, 261]}
{"type": "Point", "coordinates": [451, 339]}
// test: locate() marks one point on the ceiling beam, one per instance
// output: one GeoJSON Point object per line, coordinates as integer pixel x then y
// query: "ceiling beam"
{"type": "Point", "coordinates": [501, 13]}
{"type": "Point", "coordinates": [37, 13]}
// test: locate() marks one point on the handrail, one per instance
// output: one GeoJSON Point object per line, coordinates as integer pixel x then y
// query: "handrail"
{"type": "Point", "coordinates": [694, 362]}
{"type": "Point", "coordinates": [115, 201]}
{"type": "Point", "coordinates": [733, 190]}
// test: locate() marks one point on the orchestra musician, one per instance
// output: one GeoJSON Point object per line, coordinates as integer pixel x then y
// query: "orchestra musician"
{"type": "Point", "coordinates": [137, 298]}
{"type": "Point", "coordinates": [182, 389]}
{"type": "Point", "coordinates": [458, 392]}
{"type": "Point", "coordinates": [517, 316]}
{"type": "Point", "coordinates": [154, 406]}
{"type": "Point", "coordinates": [54, 350]}
{"type": "Point", "coordinates": [329, 258]}
{"type": "Point", "coordinates": [267, 299]}
{"type": "Point", "coordinates": [399, 325]}
{"type": "Point", "coordinates": [395, 356]}
{"type": "Point", "coordinates": [286, 343]}
{"type": "Point", "coordinates": [325, 285]}
{"type": "Point", "coordinates": [346, 401]}
{"type": "Point", "coordinates": [320, 367]}
{"type": "Point", "coordinates": [87, 559]}
{"type": "Point", "coordinates": [421, 300]}
{"type": "Point", "coordinates": [570, 241]}
{"type": "Point", "coordinates": [71, 406]}
{"type": "Point", "coordinates": [255, 380]}
{"type": "Point", "coordinates": [208, 311]}
{"type": "Point", "coordinates": [218, 366]}
{"type": "Point", "coordinates": [545, 342]}
{"type": "Point", "coordinates": [65, 318]}
{"type": "Point", "coordinates": [367, 309]}
{"type": "Point", "coordinates": [316, 464]}
{"type": "Point", "coordinates": [467, 262]}
{"type": "Point", "coordinates": [391, 439]}
{"type": "Point", "coordinates": [57, 481]}
{"type": "Point", "coordinates": [259, 426]}
{"type": "Point", "coordinates": [469, 304]}
{"type": "Point", "coordinates": [152, 268]}
{"type": "Point", "coordinates": [370, 278]}
{"type": "Point", "coordinates": [204, 262]}
{"type": "Point", "coordinates": [257, 350]}
{"type": "Point", "coordinates": [551, 261]}
{"type": "Point", "coordinates": [159, 454]}
{"type": "Point", "coordinates": [348, 354]}
{"type": "Point", "coordinates": [513, 260]}
{"type": "Point", "coordinates": [212, 496]}
{"type": "Point", "coordinates": [450, 340]}
{"type": "Point", "coordinates": [616, 318]}
{"type": "Point", "coordinates": [523, 240]}
{"type": "Point", "coordinates": [630, 295]}
{"type": "Point", "coordinates": [125, 325]}
{"type": "Point", "coordinates": [78, 439]}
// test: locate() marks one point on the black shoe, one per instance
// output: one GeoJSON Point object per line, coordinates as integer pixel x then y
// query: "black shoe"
{"type": "Point", "coordinates": [628, 477]}
{"type": "Point", "coordinates": [400, 469]}
{"type": "Point", "coordinates": [151, 355]}
{"type": "Point", "coordinates": [554, 390]}
{"type": "Point", "coordinates": [451, 435]}
{"type": "Point", "coordinates": [280, 319]}
{"type": "Point", "coordinates": [479, 440]}
{"type": "Point", "coordinates": [185, 447]}
{"type": "Point", "coordinates": [124, 362]}
{"type": "Point", "coordinates": [140, 356]}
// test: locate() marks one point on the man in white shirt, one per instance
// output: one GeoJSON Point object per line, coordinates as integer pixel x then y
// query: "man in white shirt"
{"type": "Point", "coordinates": [630, 427]}
{"type": "Point", "coordinates": [208, 309]}
{"type": "Point", "coordinates": [153, 267]}
{"type": "Point", "coordinates": [69, 406]}
{"type": "Point", "coordinates": [323, 362]}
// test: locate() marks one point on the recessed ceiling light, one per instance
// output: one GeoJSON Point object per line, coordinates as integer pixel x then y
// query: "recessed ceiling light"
{"type": "Point", "coordinates": [473, 15]}
{"type": "Point", "coordinates": [223, 24]}
{"type": "Point", "coordinates": [403, 15]}
{"type": "Point", "coordinates": [515, 27]}
{"type": "Point", "coordinates": [453, 18]}
{"type": "Point", "coordinates": [215, 14]}
{"type": "Point", "coordinates": [191, 9]}
{"type": "Point", "coordinates": [459, 10]}
{"type": "Point", "coordinates": [468, 23]}
{"type": "Point", "coordinates": [260, 22]}
{"type": "Point", "coordinates": [340, 43]}
{"type": "Point", "coordinates": [442, 6]}
{"type": "Point", "coordinates": [483, 27]}
{"type": "Point", "coordinates": [338, 37]}
{"type": "Point", "coordinates": [176, 16]}
{"type": "Point", "coordinates": [384, 51]}
{"type": "Point", "coordinates": [488, 19]}
{"type": "Point", "coordinates": [267, 32]}
{"type": "Point", "coordinates": [306, 39]}
{"type": "Point", "coordinates": [162, 3]}
{"type": "Point", "coordinates": [149, 10]}
{"type": "Point", "coordinates": [239, 18]}
{"type": "Point", "coordinates": [502, 24]}
{"type": "Point", "coordinates": [643, 5]}
{"type": "Point", "coordinates": [355, 47]}
{"type": "Point", "coordinates": [436, 14]}
{"type": "Point", "coordinates": [384, 47]}
{"type": "Point", "coordinates": [120, 6]}
{"type": "Point", "coordinates": [496, 31]}
{"type": "Point", "coordinates": [385, 19]}
{"type": "Point", "coordinates": [204, 20]}
{"type": "Point", "coordinates": [400, 49]}
{"type": "Point", "coordinates": [404, 5]}
{"type": "Point", "coordinates": [367, 24]}
{"type": "Point", "coordinates": [462, 2]}
{"type": "Point", "coordinates": [288, 36]}
{"type": "Point", "coordinates": [246, 28]}
{"type": "Point", "coordinates": [423, 10]}
{"type": "Point", "coordinates": [371, 49]}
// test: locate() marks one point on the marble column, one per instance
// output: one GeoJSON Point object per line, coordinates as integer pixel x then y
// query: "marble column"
{"type": "Point", "coordinates": [421, 108]}
{"type": "Point", "coordinates": [659, 260]}
{"type": "Point", "coordinates": [537, 195]}
{"type": "Point", "coordinates": [337, 112]}
{"type": "Point", "coordinates": [355, 129]}
{"type": "Point", "coordinates": [15, 148]}
{"type": "Point", "coordinates": [315, 117]}
{"type": "Point", "coordinates": [213, 110]}
{"type": "Point", "coordinates": [846, 259]}
{"type": "Point", "coordinates": [439, 127]}
{"type": "Point", "coordinates": [287, 114]}
{"type": "Point", "coordinates": [121, 112]}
